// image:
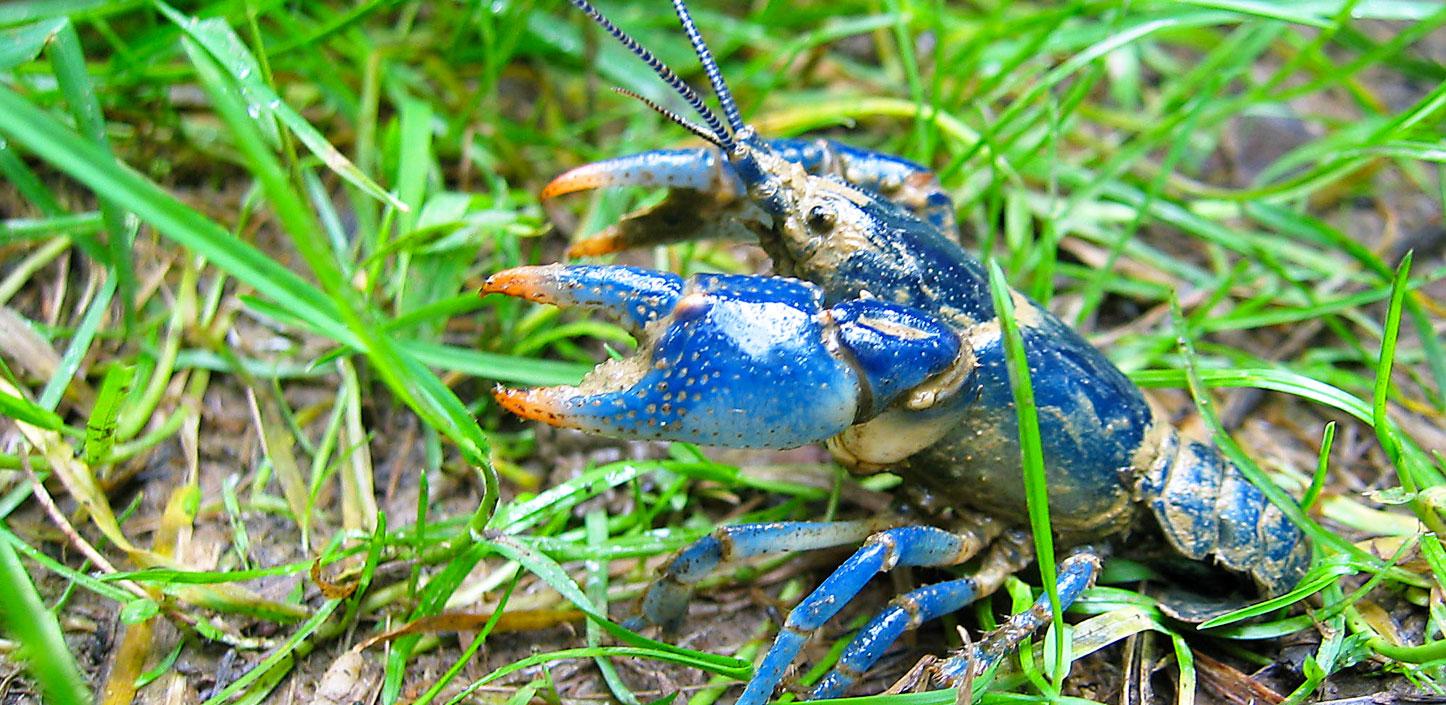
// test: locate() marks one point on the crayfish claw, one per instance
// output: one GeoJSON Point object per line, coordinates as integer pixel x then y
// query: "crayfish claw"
{"type": "Point", "coordinates": [607, 242]}
{"type": "Point", "coordinates": [705, 200]}
{"type": "Point", "coordinates": [696, 169]}
{"type": "Point", "coordinates": [716, 351]}
{"type": "Point", "coordinates": [685, 215]}
{"type": "Point", "coordinates": [636, 296]}
{"type": "Point", "coordinates": [712, 355]}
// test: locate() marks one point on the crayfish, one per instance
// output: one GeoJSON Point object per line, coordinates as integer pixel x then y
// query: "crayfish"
{"type": "Point", "coordinates": [878, 336]}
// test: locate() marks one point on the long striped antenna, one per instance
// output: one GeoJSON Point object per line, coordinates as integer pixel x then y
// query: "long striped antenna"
{"type": "Point", "coordinates": [679, 120]}
{"type": "Point", "coordinates": [710, 67]}
{"type": "Point", "coordinates": [722, 137]}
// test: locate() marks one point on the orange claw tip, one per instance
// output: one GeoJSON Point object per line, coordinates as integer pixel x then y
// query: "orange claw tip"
{"type": "Point", "coordinates": [605, 243]}
{"type": "Point", "coordinates": [532, 404]}
{"type": "Point", "coordinates": [521, 282]}
{"type": "Point", "coordinates": [587, 176]}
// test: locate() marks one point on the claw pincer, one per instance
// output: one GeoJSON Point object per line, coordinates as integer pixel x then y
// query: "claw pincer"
{"type": "Point", "coordinates": [887, 348]}
{"type": "Point", "coordinates": [720, 356]}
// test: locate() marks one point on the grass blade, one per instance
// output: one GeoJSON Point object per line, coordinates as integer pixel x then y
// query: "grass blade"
{"type": "Point", "coordinates": [1036, 487]}
{"type": "Point", "coordinates": [230, 52]}
{"type": "Point", "coordinates": [34, 627]}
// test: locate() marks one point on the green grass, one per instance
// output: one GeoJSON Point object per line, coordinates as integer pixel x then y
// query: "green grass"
{"type": "Point", "coordinates": [258, 226]}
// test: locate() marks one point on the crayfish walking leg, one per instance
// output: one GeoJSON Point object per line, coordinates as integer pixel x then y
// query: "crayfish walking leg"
{"type": "Point", "coordinates": [1076, 574]}
{"type": "Point", "coordinates": [666, 600]}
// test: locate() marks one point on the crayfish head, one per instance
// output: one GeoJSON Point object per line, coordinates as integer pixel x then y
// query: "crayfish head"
{"type": "Point", "coordinates": [815, 222]}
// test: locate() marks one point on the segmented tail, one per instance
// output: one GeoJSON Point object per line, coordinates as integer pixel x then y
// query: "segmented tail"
{"type": "Point", "coordinates": [1206, 508]}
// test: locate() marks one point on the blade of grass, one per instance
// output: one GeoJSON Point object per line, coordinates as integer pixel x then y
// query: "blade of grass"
{"type": "Point", "coordinates": [515, 548]}
{"type": "Point", "coordinates": [75, 83]}
{"type": "Point", "coordinates": [1317, 480]}
{"type": "Point", "coordinates": [230, 52]}
{"type": "Point", "coordinates": [26, 411]}
{"type": "Point", "coordinates": [1036, 487]}
{"type": "Point", "coordinates": [35, 629]}
{"type": "Point", "coordinates": [429, 601]}
{"type": "Point", "coordinates": [29, 186]}
{"type": "Point", "coordinates": [21, 44]}
{"type": "Point", "coordinates": [414, 384]}
{"type": "Point", "coordinates": [143, 406]}
{"type": "Point", "coordinates": [1387, 433]}
{"type": "Point", "coordinates": [100, 428]}
{"type": "Point", "coordinates": [79, 347]}
{"type": "Point", "coordinates": [468, 653]}
{"type": "Point", "coordinates": [595, 524]}
{"type": "Point", "coordinates": [1289, 383]}
{"type": "Point", "coordinates": [283, 652]}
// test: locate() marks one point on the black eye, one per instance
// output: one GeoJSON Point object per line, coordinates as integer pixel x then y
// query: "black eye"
{"type": "Point", "coordinates": [821, 218]}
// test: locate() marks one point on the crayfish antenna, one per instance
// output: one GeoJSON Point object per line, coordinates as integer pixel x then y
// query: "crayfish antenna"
{"type": "Point", "coordinates": [710, 67]}
{"type": "Point", "coordinates": [722, 137]}
{"type": "Point", "coordinates": [750, 157]}
{"type": "Point", "coordinates": [761, 179]}
{"type": "Point", "coordinates": [673, 117]}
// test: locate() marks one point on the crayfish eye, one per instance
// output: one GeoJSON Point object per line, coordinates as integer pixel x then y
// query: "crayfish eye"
{"type": "Point", "coordinates": [821, 218]}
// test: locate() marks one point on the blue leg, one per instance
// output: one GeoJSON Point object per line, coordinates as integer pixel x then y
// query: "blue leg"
{"type": "Point", "coordinates": [1076, 574]}
{"type": "Point", "coordinates": [667, 598]}
{"type": "Point", "coordinates": [908, 611]}
{"type": "Point", "coordinates": [905, 546]}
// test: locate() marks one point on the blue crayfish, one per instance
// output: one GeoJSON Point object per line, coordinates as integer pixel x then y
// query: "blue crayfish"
{"type": "Point", "coordinates": [881, 340]}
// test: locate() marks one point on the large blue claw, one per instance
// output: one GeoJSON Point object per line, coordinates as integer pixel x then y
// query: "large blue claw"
{"type": "Point", "coordinates": [743, 361]}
